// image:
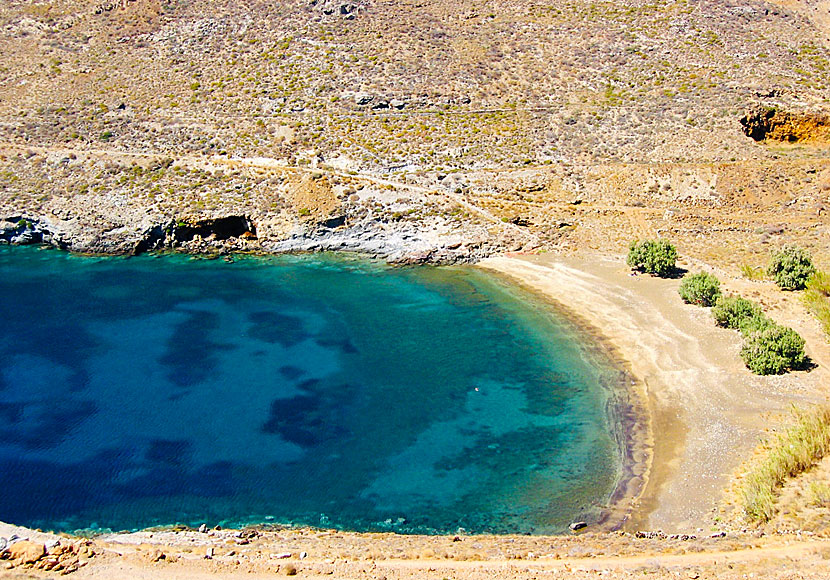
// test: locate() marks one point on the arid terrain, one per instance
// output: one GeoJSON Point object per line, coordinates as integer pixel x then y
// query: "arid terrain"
{"type": "Point", "coordinates": [427, 131]}
{"type": "Point", "coordinates": [420, 131]}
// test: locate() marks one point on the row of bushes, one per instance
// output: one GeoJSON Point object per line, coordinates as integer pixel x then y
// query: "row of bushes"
{"type": "Point", "coordinates": [791, 267]}
{"type": "Point", "coordinates": [769, 348]}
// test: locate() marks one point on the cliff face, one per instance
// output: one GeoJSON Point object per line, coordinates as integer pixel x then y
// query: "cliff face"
{"type": "Point", "coordinates": [787, 127]}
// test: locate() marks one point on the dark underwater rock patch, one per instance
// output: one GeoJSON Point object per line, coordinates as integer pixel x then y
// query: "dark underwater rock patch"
{"type": "Point", "coordinates": [191, 354]}
{"type": "Point", "coordinates": [303, 420]}
{"type": "Point", "coordinates": [277, 328]}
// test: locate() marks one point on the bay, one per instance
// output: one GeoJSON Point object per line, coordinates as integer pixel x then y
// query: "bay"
{"type": "Point", "coordinates": [321, 390]}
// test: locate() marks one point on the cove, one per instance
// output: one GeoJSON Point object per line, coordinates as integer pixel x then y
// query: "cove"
{"type": "Point", "coordinates": [321, 390]}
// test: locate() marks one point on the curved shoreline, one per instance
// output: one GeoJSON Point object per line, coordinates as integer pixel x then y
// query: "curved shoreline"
{"type": "Point", "coordinates": [619, 412]}
{"type": "Point", "coordinates": [627, 410]}
{"type": "Point", "coordinates": [692, 388]}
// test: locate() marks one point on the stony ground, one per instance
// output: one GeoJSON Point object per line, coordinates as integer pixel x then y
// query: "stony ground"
{"type": "Point", "coordinates": [421, 131]}
{"type": "Point", "coordinates": [329, 554]}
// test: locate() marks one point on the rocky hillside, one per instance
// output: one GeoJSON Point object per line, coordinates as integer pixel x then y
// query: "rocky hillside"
{"type": "Point", "coordinates": [422, 129]}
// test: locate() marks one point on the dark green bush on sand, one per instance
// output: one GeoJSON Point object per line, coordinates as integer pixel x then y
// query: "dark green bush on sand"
{"type": "Point", "coordinates": [652, 256]}
{"type": "Point", "coordinates": [732, 311]}
{"type": "Point", "coordinates": [773, 350]}
{"type": "Point", "coordinates": [791, 267]}
{"type": "Point", "coordinates": [702, 289]}
{"type": "Point", "coordinates": [769, 349]}
{"type": "Point", "coordinates": [755, 323]}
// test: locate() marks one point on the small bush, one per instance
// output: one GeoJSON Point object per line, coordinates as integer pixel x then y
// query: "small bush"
{"type": "Point", "coordinates": [773, 350]}
{"type": "Point", "coordinates": [652, 256]}
{"type": "Point", "coordinates": [702, 289]}
{"type": "Point", "coordinates": [731, 311]}
{"type": "Point", "coordinates": [791, 267]}
{"type": "Point", "coordinates": [791, 453]}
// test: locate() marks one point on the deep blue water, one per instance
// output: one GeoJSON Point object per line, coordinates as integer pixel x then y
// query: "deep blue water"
{"type": "Point", "coordinates": [321, 390]}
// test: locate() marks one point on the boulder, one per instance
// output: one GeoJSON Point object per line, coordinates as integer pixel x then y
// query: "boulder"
{"type": "Point", "coordinates": [8, 227]}
{"type": "Point", "coordinates": [26, 552]}
{"type": "Point", "coordinates": [363, 98]}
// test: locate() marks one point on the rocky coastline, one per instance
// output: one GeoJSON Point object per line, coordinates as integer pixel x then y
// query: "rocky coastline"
{"type": "Point", "coordinates": [238, 234]}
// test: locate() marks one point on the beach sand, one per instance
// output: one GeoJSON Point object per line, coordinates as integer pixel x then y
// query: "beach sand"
{"type": "Point", "coordinates": [706, 411]}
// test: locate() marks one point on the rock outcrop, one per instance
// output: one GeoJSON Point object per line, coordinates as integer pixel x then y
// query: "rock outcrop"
{"type": "Point", "coordinates": [198, 234]}
{"type": "Point", "coordinates": [57, 556]}
{"type": "Point", "coordinates": [769, 124]}
{"type": "Point", "coordinates": [22, 231]}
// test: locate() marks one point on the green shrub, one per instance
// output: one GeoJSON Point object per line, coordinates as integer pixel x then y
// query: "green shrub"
{"type": "Point", "coordinates": [702, 289]}
{"type": "Point", "coordinates": [731, 311]}
{"type": "Point", "coordinates": [652, 256]}
{"type": "Point", "coordinates": [756, 323]}
{"type": "Point", "coordinates": [791, 267]}
{"type": "Point", "coordinates": [773, 350]}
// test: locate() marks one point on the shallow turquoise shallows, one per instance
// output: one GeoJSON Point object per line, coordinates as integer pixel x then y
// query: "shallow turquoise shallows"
{"type": "Point", "coordinates": [316, 390]}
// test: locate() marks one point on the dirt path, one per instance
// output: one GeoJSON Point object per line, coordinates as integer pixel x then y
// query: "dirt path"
{"type": "Point", "coordinates": [765, 559]}
{"type": "Point", "coordinates": [271, 164]}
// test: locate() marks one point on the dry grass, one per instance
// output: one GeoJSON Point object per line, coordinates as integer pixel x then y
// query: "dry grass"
{"type": "Point", "coordinates": [820, 493]}
{"type": "Point", "coordinates": [752, 272]}
{"type": "Point", "coordinates": [789, 454]}
{"type": "Point", "coordinates": [817, 299]}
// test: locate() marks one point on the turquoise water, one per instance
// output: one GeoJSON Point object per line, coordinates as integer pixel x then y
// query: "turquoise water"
{"type": "Point", "coordinates": [316, 390]}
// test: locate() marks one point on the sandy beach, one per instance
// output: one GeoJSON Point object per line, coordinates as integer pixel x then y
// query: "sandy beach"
{"type": "Point", "coordinates": [706, 411]}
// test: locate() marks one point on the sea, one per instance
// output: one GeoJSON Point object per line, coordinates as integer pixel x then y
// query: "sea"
{"type": "Point", "coordinates": [323, 390]}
